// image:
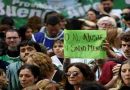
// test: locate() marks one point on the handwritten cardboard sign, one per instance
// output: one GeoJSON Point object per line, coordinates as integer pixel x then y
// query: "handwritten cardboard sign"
{"type": "Point", "coordinates": [84, 44]}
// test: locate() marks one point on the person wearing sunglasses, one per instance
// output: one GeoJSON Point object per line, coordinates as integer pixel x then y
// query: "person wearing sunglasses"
{"type": "Point", "coordinates": [127, 21]}
{"type": "Point", "coordinates": [124, 13]}
{"type": "Point", "coordinates": [75, 73]}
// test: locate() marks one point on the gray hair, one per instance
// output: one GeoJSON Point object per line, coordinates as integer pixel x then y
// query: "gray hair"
{"type": "Point", "coordinates": [110, 20]}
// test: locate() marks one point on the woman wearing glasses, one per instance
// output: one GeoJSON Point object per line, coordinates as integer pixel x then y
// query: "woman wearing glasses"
{"type": "Point", "coordinates": [77, 73]}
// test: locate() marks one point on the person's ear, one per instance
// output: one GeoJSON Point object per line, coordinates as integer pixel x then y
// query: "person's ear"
{"type": "Point", "coordinates": [20, 39]}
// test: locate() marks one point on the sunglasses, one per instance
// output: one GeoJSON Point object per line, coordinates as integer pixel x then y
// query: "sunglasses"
{"type": "Point", "coordinates": [68, 74]}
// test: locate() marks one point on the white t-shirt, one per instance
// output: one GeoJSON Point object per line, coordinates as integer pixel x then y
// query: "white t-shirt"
{"type": "Point", "coordinates": [116, 12]}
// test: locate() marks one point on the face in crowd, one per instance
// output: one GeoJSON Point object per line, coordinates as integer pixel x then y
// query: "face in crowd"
{"type": "Point", "coordinates": [78, 72]}
{"type": "Point", "coordinates": [25, 50]}
{"type": "Point", "coordinates": [28, 75]}
{"type": "Point", "coordinates": [124, 72]}
{"type": "Point", "coordinates": [26, 78]}
{"type": "Point", "coordinates": [53, 30]}
{"type": "Point", "coordinates": [28, 33]}
{"type": "Point", "coordinates": [107, 5]}
{"type": "Point", "coordinates": [53, 26]}
{"type": "Point", "coordinates": [74, 75]}
{"type": "Point", "coordinates": [91, 15]}
{"type": "Point", "coordinates": [3, 79]}
{"type": "Point", "coordinates": [126, 48]}
{"type": "Point", "coordinates": [12, 39]}
{"type": "Point", "coordinates": [58, 48]}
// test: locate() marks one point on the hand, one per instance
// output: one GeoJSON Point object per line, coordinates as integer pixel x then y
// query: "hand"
{"type": "Point", "coordinates": [106, 46]}
{"type": "Point", "coordinates": [109, 50]}
{"type": "Point", "coordinates": [62, 52]}
{"type": "Point", "coordinates": [101, 9]}
{"type": "Point", "coordinates": [50, 52]}
{"type": "Point", "coordinates": [116, 69]}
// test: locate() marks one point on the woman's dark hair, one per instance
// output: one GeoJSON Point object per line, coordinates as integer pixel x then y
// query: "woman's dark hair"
{"type": "Point", "coordinates": [30, 43]}
{"type": "Point", "coordinates": [84, 69]}
{"type": "Point", "coordinates": [91, 86]}
{"type": "Point", "coordinates": [96, 12]}
{"type": "Point", "coordinates": [22, 30]}
{"type": "Point", "coordinates": [35, 23]}
{"type": "Point", "coordinates": [35, 70]}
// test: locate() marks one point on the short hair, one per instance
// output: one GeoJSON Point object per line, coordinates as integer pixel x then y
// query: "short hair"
{"type": "Point", "coordinates": [59, 41]}
{"type": "Point", "coordinates": [13, 30]}
{"type": "Point", "coordinates": [4, 28]}
{"type": "Point", "coordinates": [106, 0]}
{"type": "Point", "coordinates": [50, 13]}
{"type": "Point", "coordinates": [125, 36]}
{"type": "Point", "coordinates": [8, 21]}
{"type": "Point", "coordinates": [30, 43]}
{"type": "Point", "coordinates": [110, 20]}
{"type": "Point", "coordinates": [52, 20]}
{"type": "Point", "coordinates": [35, 70]}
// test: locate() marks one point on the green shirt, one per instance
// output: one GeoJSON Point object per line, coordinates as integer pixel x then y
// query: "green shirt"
{"type": "Point", "coordinates": [9, 59]}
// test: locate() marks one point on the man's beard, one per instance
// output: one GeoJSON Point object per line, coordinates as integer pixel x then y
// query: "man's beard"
{"type": "Point", "coordinates": [108, 10]}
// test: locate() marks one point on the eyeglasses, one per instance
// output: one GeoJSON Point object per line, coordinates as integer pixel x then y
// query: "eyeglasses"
{"type": "Point", "coordinates": [68, 74]}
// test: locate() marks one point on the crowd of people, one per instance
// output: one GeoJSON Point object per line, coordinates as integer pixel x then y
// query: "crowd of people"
{"type": "Point", "coordinates": [32, 56]}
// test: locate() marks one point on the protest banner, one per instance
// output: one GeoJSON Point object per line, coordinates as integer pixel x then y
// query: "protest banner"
{"type": "Point", "coordinates": [84, 44]}
{"type": "Point", "coordinates": [21, 10]}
